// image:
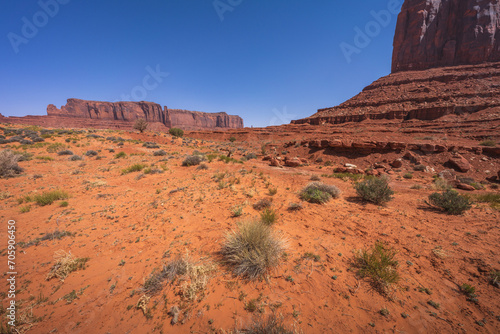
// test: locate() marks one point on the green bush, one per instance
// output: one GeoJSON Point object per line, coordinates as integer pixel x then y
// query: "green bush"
{"type": "Point", "coordinates": [176, 132]}
{"type": "Point", "coordinates": [45, 198]}
{"type": "Point", "coordinates": [252, 249]}
{"type": "Point", "coordinates": [451, 201]}
{"type": "Point", "coordinates": [317, 192]}
{"type": "Point", "coordinates": [380, 264]}
{"type": "Point", "coordinates": [232, 139]}
{"type": "Point", "coordinates": [268, 216]}
{"type": "Point", "coordinates": [133, 168]}
{"type": "Point", "coordinates": [120, 155]}
{"type": "Point", "coordinates": [375, 190]}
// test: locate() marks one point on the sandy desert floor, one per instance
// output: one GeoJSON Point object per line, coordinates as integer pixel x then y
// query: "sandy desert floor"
{"type": "Point", "coordinates": [126, 226]}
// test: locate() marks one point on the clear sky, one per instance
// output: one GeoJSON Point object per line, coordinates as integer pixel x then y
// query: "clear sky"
{"type": "Point", "coordinates": [269, 61]}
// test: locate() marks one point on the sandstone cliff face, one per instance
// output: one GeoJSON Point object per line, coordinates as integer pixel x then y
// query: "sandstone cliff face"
{"type": "Point", "coordinates": [435, 33]}
{"type": "Point", "coordinates": [152, 112]}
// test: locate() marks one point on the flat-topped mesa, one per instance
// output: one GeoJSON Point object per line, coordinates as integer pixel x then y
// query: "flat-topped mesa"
{"type": "Point", "coordinates": [436, 33]}
{"type": "Point", "coordinates": [151, 112]}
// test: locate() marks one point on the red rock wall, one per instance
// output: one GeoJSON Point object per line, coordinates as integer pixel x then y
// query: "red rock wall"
{"type": "Point", "coordinates": [435, 33]}
{"type": "Point", "coordinates": [152, 112]}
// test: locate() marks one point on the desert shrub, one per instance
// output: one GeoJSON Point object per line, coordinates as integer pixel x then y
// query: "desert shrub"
{"type": "Point", "coordinates": [408, 176]}
{"type": "Point", "coordinates": [380, 264]}
{"type": "Point", "coordinates": [237, 211]}
{"type": "Point", "coordinates": [133, 168]}
{"type": "Point", "coordinates": [345, 176]}
{"type": "Point", "coordinates": [492, 198]}
{"type": "Point", "coordinates": [295, 207]}
{"type": "Point", "coordinates": [263, 203]}
{"type": "Point", "coordinates": [47, 236]}
{"type": "Point", "coordinates": [91, 153]}
{"type": "Point", "coordinates": [44, 158]}
{"type": "Point", "coordinates": [374, 190]}
{"type": "Point", "coordinates": [419, 168]}
{"type": "Point", "coordinates": [192, 160]}
{"type": "Point", "coordinates": [451, 201]}
{"type": "Point", "coordinates": [273, 191]}
{"type": "Point", "coordinates": [9, 164]}
{"type": "Point", "coordinates": [272, 325]}
{"type": "Point", "coordinates": [140, 124]}
{"type": "Point", "coordinates": [160, 153]}
{"type": "Point", "coordinates": [489, 142]}
{"type": "Point", "coordinates": [468, 290]}
{"type": "Point", "coordinates": [25, 208]}
{"type": "Point", "coordinates": [227, 159]}
{"type": "Point", "coordinates": [49, 197]}
{"type": "Point", "coordinates": [251, 156]}
{"type": "Point", "coordinates": [442, 184]}
{"type": "Point", "coordinates": [252, 249]}
{"type": "Point", "coordinates": [176, 132]}
{"type": "Point", "coordinates": [315, 178]}
{"type": "Point", "coordinates": [268, 216]}
{"type": "Point", "coordinates": [317, 192]}
{"type": "Point", "coordinates": [150, 145]}
{"type": "Point", "coordinates": [232, 139]}
{"type": "Point", "coordinates": [495, 278]}
{"type": "Point", "coordinates": [65, 264]}
{"type": "Point", "coordinates": [202, 167]}
{"type": "Point", "coordinates": [120, 155]}
{"type": "Point", "coordinates": [56, 147]}
{"type": "Point", "coordinates": [75, 158]}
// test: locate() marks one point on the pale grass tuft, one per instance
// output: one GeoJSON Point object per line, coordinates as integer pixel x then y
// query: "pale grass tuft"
{"type": "Point", "coordinates": [142, 303]}
{"type": "Point", "coordinates": [65, 264]}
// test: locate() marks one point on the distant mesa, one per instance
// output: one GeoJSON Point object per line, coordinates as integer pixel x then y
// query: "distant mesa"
{"type": "Point", "coordinates": [446, 61]}
{"type": "Point", "coordinates": [122, 115]}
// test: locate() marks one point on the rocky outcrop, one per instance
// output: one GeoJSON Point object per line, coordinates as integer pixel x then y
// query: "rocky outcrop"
{"type": "Point", "coordinates": [422, 95]}
{"type": "Point", "coordinates": [436, 33]}
{"type": "Point", "coordinates": [152, 112]}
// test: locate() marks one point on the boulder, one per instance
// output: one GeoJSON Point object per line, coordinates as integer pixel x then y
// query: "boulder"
{"type": "Point", "coordinates": [293, 162]}
{"type": "Point", "coordinates": [464, 186]}
{"type": "Point", "coordinates": [459, 163]}
{"type": "Point", "coordinates": [398, 163]}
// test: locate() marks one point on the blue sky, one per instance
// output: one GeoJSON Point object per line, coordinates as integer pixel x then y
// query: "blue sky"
{"type": "Point", "coordinates": [269, 61]}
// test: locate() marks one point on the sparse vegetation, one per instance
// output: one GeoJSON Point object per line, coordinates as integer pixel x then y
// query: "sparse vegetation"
{"type": "Point", "coordinates": [451, 201]}
{"type": "Point", "coordinates": [232, 139]}
{"type": "Point", "coordinates": [317, 192]}
{"type": "Point", "coordinates": [268, 216]}
{"type": "Point", "coordinates": [495, 278]}
{"type": "Point", "coordinates": [295, 207]}
{"type": "Point", "coordinates": [492, 198]}
{"type": "Point", "coordinates": [120, 155]}
{"type": "Point", "coordinates": [65, 264]}
{"type": "Point", "coordinates": [141, 125]}
{"type": "Point", "coordinates": [56, 235]}
{"type": "Point", "coordinates": [133, 168]}
{"type": "Point", "coordinates": [380, 264]}
{"type": "Point", "coordinates": [91, 153]}
{"type": "Point", "coordinates": [192, 160]}
{"type": "Point", "coordinates": [9, 164]}
{"type": "Point", "coordinates": [176, 132]}
{"type": "Point", "coordinates": [489, 143]}
{"type": "Point", "coordinates": [45, 198]}
{"type": "Point", "coordinates": [65, 152]}
{"type": "Point", "coordinates": [252, 249]}
{"type": "Point", "coordinates": [263, 203]}
{"type": "Point", "coordinates": [375, 190]}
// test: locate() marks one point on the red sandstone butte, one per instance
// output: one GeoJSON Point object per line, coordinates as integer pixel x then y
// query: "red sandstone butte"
{"type": "Point", "coordinates": [441, 33]}
{"type": "Point", "coordinates": [151, 112]}
{"type": "Point", "coordinates": [446, 61]}
{"type": "Point", "coordinates": [122, 115]}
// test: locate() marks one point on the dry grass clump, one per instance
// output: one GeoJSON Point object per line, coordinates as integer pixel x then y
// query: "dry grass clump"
{"type": "Point", "coordinates": [195, 277]}
{"type": "Point", "coordinates": [271, 325]}
{"type": "Point", "coordinates": [262, 204]}
{"type": "Point", "coordinates": [8, 164]}
{"type": "Point", "coordinates": [65, 264]}
{"type": "Point", "coordinates": [380, 264]}
{"type": "Point", "coordinates": [252, 249]}
{"type": "Point", "coordinates": [317, 192]}
{"type": "Point", "coordinates": [45, 198]}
